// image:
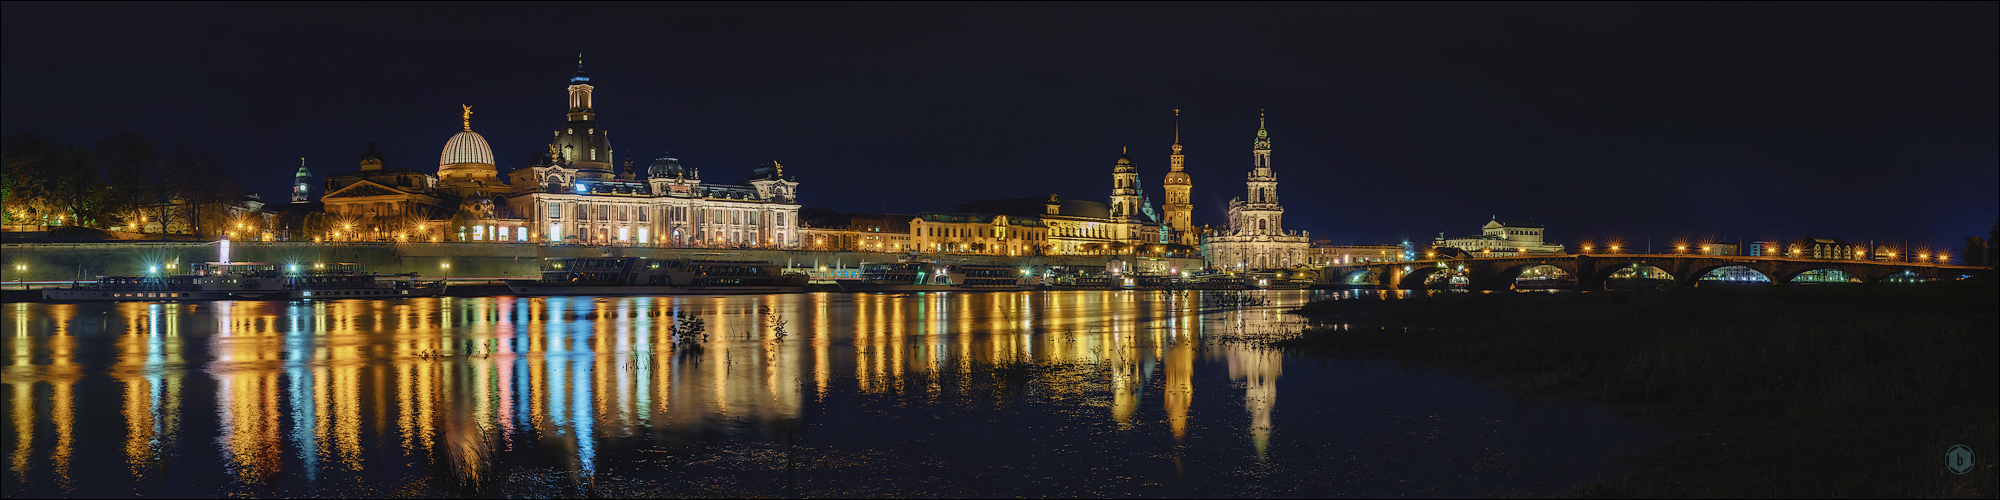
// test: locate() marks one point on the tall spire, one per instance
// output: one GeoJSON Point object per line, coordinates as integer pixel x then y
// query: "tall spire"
{"type": "Point", "coordinates": [1263, 142]}
{"type": "Point", "coordinates": [1177, 130]}
{"type": "Point", "coordinates": [580, 77]}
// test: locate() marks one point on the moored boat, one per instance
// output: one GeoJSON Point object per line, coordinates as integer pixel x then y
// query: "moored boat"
{"type": "Point", "coordinates": [934, 277]}
{"type": "Point", "coordinates": [132, 288]}
{"type": "Point", "coordinates": [641, 276]}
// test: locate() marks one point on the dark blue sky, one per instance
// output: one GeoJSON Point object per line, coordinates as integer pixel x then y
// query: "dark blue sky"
{"type": "Point", "coordinates": [1389, 121]}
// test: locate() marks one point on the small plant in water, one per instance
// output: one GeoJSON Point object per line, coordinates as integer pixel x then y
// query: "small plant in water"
{"type": "Point", "coordinates": [774, 322]}
{"type": "Point", "coordinates": [688, 332]}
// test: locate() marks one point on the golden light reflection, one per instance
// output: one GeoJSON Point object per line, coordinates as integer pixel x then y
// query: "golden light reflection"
{"type": "Point", "coordinates": [304, 387]}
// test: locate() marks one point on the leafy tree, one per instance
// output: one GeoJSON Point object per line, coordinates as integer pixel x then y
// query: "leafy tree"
{"type": "Point", "coordinates": [1974, 251]}
{"type": "Point", "coordinates": [131, 167]}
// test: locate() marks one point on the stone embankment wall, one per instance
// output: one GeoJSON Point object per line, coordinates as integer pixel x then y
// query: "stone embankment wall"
{"type": "Point", "coordinates": [69, 261]}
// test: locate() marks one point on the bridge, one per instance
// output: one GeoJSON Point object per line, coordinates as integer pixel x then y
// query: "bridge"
{"type": "Point", "coordinates": [1591, 271]}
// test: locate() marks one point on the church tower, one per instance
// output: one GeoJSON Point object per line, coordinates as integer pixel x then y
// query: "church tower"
{"type": "Point", "coordinates": [302, 184]}
{"type": "Point", "coordinates": [1263, 183]}
{"type": "Point", "coordinates": [1260, 214]}
{"type": "Point", "coordinates": [1124, 188]}
{"type": "Point", "coordinates": [1179, 207]}
{"type": "Point", "coordinates": [582, 143]}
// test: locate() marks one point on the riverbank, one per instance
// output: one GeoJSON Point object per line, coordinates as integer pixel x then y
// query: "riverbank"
{"type": "Point", "coordinates": [1785, 391]}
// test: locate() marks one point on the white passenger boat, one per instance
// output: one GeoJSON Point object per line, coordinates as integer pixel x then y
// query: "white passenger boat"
{"type": "Point", "coordinates": [641, 276]}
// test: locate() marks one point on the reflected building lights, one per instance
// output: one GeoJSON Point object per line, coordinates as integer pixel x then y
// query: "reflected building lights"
{"type": "Point", "coordinates": [452, 381]}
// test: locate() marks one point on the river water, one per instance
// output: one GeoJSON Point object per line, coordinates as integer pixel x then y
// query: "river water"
{"type": "Point", "coordinates": [1113, 394]}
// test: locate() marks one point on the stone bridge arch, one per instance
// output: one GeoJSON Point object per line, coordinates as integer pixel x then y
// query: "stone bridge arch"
{"type": "Point", "coordinates": [1501, 275]}
{"type": "Point", "coordinates": [1701, 269]}
{"type": "Point", "coordinates": [1366, 275]}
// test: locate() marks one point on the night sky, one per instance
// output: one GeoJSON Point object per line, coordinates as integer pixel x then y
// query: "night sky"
{"type": "Point", "coordinates": [1388, 121]}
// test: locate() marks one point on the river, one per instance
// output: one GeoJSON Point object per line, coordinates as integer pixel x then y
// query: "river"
{"type": "Point", "coordinates": [1075, 394]}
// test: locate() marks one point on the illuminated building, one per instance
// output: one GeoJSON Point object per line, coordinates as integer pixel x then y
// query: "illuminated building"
{"type": "Point", "coordinates": [859, 232]}
{"type": "Point", "coordinates": [1765, 248]}
{"type": "Point", "coordinates": [571, 194]}
{"type": "Point", "coordinates": [1256, 237]}
{"type": "Point", "coordinates": [1324, 253]}
{"type": "Point", "coordinates": [1502, 239]}
{"type": "Point", "coordinates": [985, 234]}
{"type": "Point", "coordinates": [1179, 186]}
{"type": "Point", "coordinates": [302, 184]}
{"type": "Point", "coordinates": [377, 195]}
{"type": "Point", "coordinates": [1820, 248]}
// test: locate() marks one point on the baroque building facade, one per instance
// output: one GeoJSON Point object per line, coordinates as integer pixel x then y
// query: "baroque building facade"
{"type": "Point", "coordinates": [1255, 237]}
{"type": "Point", "coordinates": [1503, 238]}
{"type": "Point", "coordinates": [571, 192]}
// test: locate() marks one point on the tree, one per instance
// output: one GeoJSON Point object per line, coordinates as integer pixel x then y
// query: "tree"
{"type": "Point", "coordinates": [1974, 251]}
{"type": "Point", "coordinates": [131, 167]}
{"type": "Point", "coordinates": [1993, 251]}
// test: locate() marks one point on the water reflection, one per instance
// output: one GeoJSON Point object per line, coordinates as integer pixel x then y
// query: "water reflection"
{"type": "Point", "coordinates": [431, 396]}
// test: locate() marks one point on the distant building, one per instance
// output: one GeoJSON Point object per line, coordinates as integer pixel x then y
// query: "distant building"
{"type": "Point", "coordinates": [1821, 248]}
{"type": "Point", "coordinates": [1503, 239]}
{"type": "Point", "coordinates": [1765, 248]}
{"type": "Point", "coordinates": [978, 234]}
{"type": "Point", "coordinates": [859, 232]}
{"type": "Point", "coordinates": [1256, 236]}
{"type": "Point", "coordinates": [571, 193]}
{"type": "Point", "coordinates": [302, 184]}
{"type": "Point", "coordinates": [1325, 253]}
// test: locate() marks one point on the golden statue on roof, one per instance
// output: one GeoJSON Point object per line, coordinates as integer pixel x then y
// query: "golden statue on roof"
{"type": "Point", "coordinates": [468, 116]}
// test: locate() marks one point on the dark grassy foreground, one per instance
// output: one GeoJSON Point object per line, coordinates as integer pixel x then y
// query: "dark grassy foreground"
{"type": "Point", "coordinates": [1785, 391]}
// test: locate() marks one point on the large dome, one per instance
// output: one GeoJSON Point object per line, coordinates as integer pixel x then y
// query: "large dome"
{"type": "Point", "coordinates": [1178, 179]}
{"type": "Point", "coordinates": [466, 147]}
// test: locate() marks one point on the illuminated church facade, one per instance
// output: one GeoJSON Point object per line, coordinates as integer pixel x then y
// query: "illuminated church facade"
{"type": "Point", "coordinates": [1255, 237]}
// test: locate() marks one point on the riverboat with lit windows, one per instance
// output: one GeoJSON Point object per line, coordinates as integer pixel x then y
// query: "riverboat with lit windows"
{"type": "Point", "coordinates": [133, 288]}
{"type": "Point", "coordinates": [1218, 282]}
{"type": "Point", "coordinates": [641, 276]}
{"type": "Point", "coordinates": [343, 280]}
{"type": "Point", "coordinates": [1085, 283]}
{"type": "Point", "coordinates": [934, 277]}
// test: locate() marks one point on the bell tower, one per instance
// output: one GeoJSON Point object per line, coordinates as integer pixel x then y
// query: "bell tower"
{"type": "Point", "coordinates": [582, 143]}
{"type": "Point", "coordinates": [1124, 188]}
{"type": "Point", "coordinates": [1179, 206]}
{"type": "Point", "coordinates": [579, 95]}
{"type": "Point", "coordinates": [302, 184]}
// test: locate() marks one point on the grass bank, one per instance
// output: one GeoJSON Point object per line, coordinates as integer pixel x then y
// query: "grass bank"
{"type": "Point", "coordinates": [1786, 391]}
